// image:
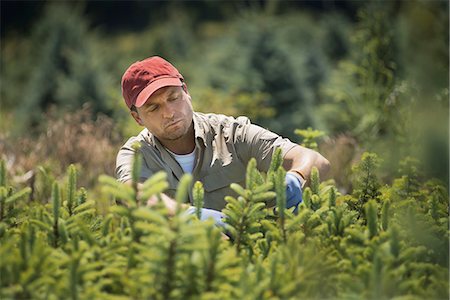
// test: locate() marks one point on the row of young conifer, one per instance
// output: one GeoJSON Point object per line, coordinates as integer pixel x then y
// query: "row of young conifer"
{"type": "Point", "coordinates": [381, 241]}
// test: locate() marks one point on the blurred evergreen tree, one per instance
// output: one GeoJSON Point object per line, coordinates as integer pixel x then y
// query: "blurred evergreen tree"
{"type": "Point", "coordinates": [422, 41]}
{"type": "Point", "coordinates": [388, 92]}
{"type": "Point", "coordinates": [423, 58]}
{"type": "Point", "coordinates": [61, 68]}
{"type": "Point", "coordinates": [279, 81]}
{"type": "Point", "coordinates": [276, 60]}
{"type": "Point", "coordinates": [362, 83]}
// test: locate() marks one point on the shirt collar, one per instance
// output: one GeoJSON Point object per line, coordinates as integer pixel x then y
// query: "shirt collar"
{"type": "Point", "coordinates": [199, 130]}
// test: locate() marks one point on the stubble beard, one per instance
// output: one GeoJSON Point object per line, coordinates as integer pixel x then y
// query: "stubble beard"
{"type": "Point", "coordinates": [178, 134]}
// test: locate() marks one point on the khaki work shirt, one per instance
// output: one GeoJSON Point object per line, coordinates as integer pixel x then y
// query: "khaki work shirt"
{"type": "Point", "coordinates": [224, 146]}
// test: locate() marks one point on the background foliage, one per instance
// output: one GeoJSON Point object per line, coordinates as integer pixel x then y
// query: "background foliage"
{"type": "Point", "coordinates": [366, 75]}
{"type": "Point", "coordinates": [371, 75]}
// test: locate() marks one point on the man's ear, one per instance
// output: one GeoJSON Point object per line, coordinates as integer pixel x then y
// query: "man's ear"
{"type": "Point", "coordinates": [136, 117]}
{"type": "Point", "coordinates": [185, 89]}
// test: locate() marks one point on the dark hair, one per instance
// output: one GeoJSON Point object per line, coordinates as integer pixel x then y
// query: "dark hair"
{"type": "Point", "coordinates": [133, 108]}
{"type": "Point", "coordinates": [184, 87]}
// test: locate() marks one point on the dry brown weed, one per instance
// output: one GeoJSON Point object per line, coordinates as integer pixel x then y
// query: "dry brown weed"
{"type": "Point", "coordinates": [71, 138]}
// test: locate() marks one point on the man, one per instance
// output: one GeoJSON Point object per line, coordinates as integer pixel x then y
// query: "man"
{"type": "Point", "coordinates": [214, 148]}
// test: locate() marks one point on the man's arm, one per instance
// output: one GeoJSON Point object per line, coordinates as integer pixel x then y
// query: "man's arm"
{"type": "Point", "coordinates": [301, 160]}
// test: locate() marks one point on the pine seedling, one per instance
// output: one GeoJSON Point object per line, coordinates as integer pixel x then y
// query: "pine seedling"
{"type": "Point", "coordinates": [2, 173]}
{"type": "Point", "coordinates": [408, 184]}
{"type": "Point", "coordinates": [280, 190]}
{"type": "Point", "coordinates": [56, 205]}
{"type": "Point", "coordinates": [31, 235]}
{"type": "Point", "coordinates": [242, 219]}
{"type": "Point", "coordinates": [309, 137]}
{"type": "Point", "coordinates": [71, 188]}
{"type": "Point", "coordinates": [385, 215]}
{"type": "Point", "coordinates": [376, 277]}
{"type": "Point", "coordinates": [338, 219]}
{"type": "Point", "coordinates": [118, 190]}
{"type": "Point", "coordinates": [395, 241]}
{"type": "Point", "coordinates": [253, 176]}
{"type": "Point", "coordinates": [316, 202]}
{"type": "Point", "coordinates": [85, 232]}
{"type": "Point", "coordinates": [82, 196]}
{"type": "Point", "coordinates": [73, 276]}
{"type": "Point", "coordinates": [211, 257]}
{"type": "Point", "coordinates": [372, 219]}
{"type": "Point", "coordinates": [183, 189]}
{"type": "Point", "coordinates": [276, 162]}
{"type": "Point", "coordinates": [106, 225]}
{"type": "Point", "coordinates": [2, 229]}
{"type": "Point", "coordinates": [136, 171]}
{"type": "Point", "coordinates": [169, 244]}
{"type": "Point", "coordinates": [245, 212]}
{"type": "Point", "coordinates": [80, 212]}
{"type": "Point", "coordinates": [8, 197]}
{"type": "Point", "coordinates": [433, 204]}
{"type": "Point", "coordinates": [64, 236]}
{"type": "Point", "coordinates": [191, 286]}
{"type": "Point", "coordinates": [42, 225]}
{"type": "Point", "coordinates": [315, 181]}
{"type": "Point", "coordinates": [198, 194]}
{"type": "Point", "coordinates": [154, 185]}
{"type": "Point", "coordinates": [3, 195]}
{"type": "Point", "coordinates": [307, 197]}
{"type": "Point", "coordinates": [332, 197]}
{"type": "Point", "coordinates": [366, 182]}
{"type": "Point", "coordinates": [14, 196]}
{"type": "Point", "coordinates": [43, 184]}
{"type": "Point", "coordinates": [23, 247]}
{"type": "Point", "coordinates": [7, 194]}
{"type": "Point", "coordinates": [171, 252]}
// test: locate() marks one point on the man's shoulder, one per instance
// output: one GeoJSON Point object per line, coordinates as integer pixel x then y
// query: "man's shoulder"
{"type": "Point", "coordinates": [220, 120]}
{"type": "Point", "coordinates": [143, 136]}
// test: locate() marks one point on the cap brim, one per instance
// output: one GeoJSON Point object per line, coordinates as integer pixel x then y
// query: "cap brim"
{"type": "Point", "coordinates": [154, 86]}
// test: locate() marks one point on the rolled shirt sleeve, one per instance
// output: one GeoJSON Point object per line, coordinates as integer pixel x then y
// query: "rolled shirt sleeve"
{"type": "Point", "coordinates": [255, 141]}
{"type": "Point", "coordinates": [124, 162]}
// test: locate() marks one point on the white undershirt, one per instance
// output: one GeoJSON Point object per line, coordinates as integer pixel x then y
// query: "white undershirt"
{"type": "Point", "coordinates": [186, 161]}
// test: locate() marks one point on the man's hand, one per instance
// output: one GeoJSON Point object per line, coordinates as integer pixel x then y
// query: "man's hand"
{"type": "Point", "coordinates": [207, 213]}
{"type": "Point", "coordinates": [168, 202]}
{"type": "Point", "coordinates": [293, 191]}
{"type": "Point", "coordinates": [171, 205]}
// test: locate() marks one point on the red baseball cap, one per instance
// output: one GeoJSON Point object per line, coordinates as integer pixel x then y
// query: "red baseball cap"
{"type": "Point", "coordinates": [144, 77]}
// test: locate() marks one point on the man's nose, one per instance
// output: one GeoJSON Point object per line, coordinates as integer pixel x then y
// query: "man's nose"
{"type": "Point", "coordinates": [168, 112]}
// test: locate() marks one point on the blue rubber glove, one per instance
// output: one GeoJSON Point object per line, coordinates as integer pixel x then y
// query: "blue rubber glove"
{"type": "Point", "coordinates": [293, 191]}
{"type": "Point", "coordinates": [207, 213]}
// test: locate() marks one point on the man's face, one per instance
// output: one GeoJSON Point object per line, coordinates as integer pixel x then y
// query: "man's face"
{"type": "Point", "coordinates": [167, 114]}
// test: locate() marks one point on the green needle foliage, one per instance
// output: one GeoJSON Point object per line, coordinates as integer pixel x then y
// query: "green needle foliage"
{"type": "Point", "coordinates": [366, 185]}
{"type": "Point", "coordinates": [56, 203]}
{"type": "Point", "coordinates": [8, 195]}
{"type": "Point", "coordinates": [136, 173]}
{"type": "Point", "coordinates": [380, 242]}
{"type": "Point", "coordinates": [280, 189]}
{"type": "Point", "coordinates": [71, 188]}
{"type": "Point", "coordinates": [198, 194]}
{"type": "Point", "coordinates": [309, 137]}
{"type": "Point", "coordinates": [315, 181]}
{"type": "Point", "coordinates": [372, 220]}
{"type": "Point", "coordinates": [2, 173]}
